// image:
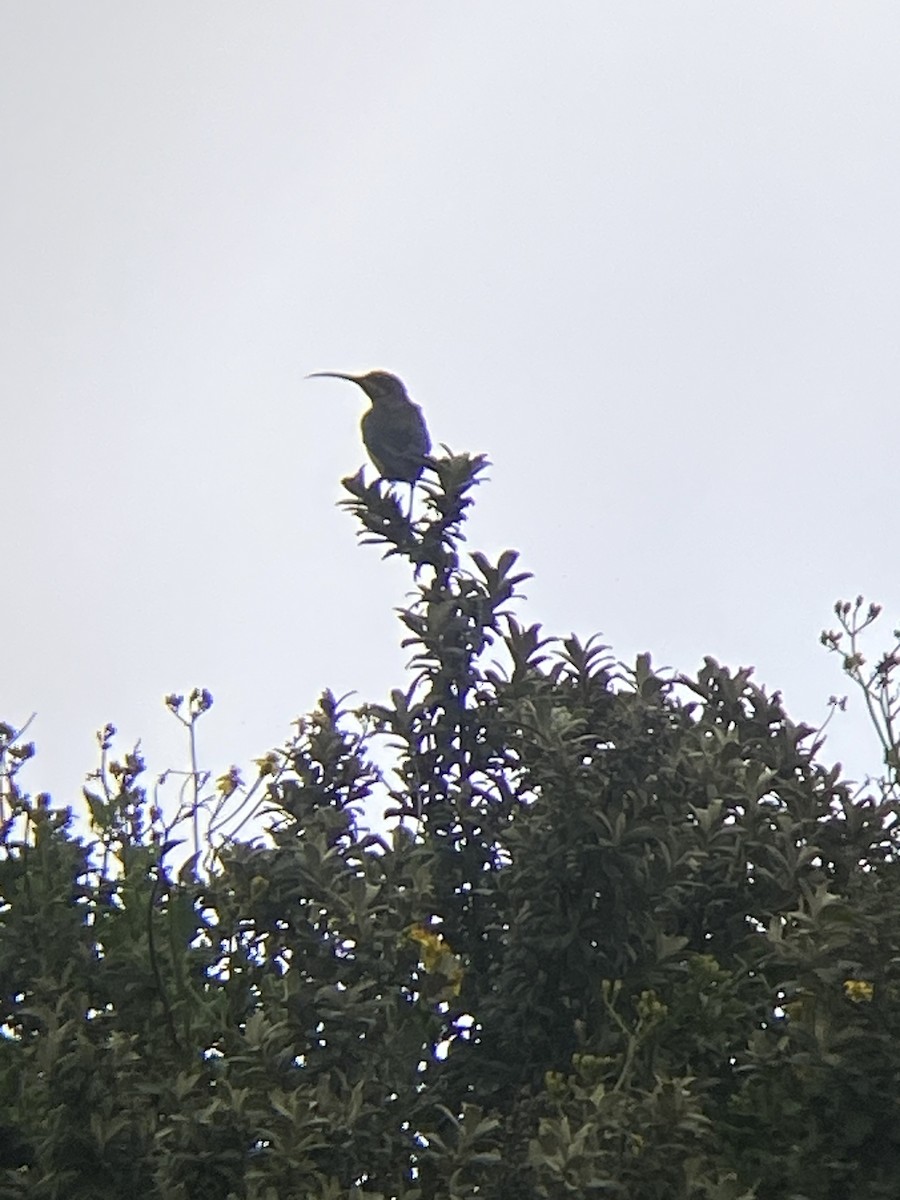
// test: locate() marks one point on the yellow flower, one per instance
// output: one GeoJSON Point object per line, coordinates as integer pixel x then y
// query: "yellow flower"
{"type": "Point", "coordinates": [433, 946]}
{"type": "Point", "coordinates": [437, 956]}
{"type": "Point", "coordinates": [858, 990]}
{"type": "Point", "coordinates": [268, 764]}
{"type": "Point", "coordinates": [229, 782]}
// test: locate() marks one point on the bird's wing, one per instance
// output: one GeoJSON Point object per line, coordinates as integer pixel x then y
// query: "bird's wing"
{"type": "Point", "coordinates": [397, 441]}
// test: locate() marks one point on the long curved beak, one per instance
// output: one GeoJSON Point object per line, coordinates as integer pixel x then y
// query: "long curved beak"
{"type": "Point", "coordinates": [331, 375]}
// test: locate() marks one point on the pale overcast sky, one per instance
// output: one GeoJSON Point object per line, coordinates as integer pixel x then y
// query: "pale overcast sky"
{"type": "Point", "coordinates": [646, 256]}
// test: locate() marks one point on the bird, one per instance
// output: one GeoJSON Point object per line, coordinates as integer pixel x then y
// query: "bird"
{"type": "Point", "coordinates": [393, 429]}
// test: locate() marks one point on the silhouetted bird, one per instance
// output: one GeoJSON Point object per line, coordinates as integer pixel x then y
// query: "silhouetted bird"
{"type": "Point", "coordinates": [393, 430]}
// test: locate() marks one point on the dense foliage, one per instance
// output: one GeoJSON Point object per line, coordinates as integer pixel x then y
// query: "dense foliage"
{"type": "Point", "coordinates": [626, 937]}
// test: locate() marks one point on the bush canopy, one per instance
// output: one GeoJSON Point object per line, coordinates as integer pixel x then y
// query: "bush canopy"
{"type": "Point", "coordinates": [621, 934]}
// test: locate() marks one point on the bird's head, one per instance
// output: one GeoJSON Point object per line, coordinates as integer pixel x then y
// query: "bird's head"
{"type": "Point", "coordinates": [378, 385]}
